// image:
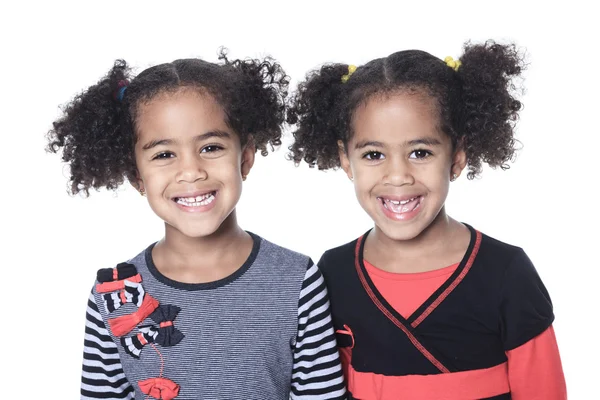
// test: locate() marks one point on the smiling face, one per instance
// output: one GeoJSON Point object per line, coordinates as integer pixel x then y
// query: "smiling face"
{"type": "Point", "coordinates": [190, 163]}
{"type": "Point", "coordinates": [401, 163]}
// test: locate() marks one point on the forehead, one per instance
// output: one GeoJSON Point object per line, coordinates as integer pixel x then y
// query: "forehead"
{"type": "Point", "coordinates": [397, 118]}
{"type": "Point", "coordinates": [185, 112]}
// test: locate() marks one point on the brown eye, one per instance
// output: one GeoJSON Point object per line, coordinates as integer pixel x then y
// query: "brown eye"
{"type": "Point", "coordinates": [211, 149]}
{"type": "Point", "coordinates": [420, 154]}
{"type": "Point", "coordinates": [374, 155]}
{"type": "Point", "coordinates": [163, 156]}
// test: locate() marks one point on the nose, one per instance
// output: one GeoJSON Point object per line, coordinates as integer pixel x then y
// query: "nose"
{"type": "Point", "coordinates": [398, 172]}
{"type": "Point", "coordinates": [190, 170]}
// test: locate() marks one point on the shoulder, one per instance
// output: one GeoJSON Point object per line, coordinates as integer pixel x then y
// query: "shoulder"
{"type": "Point", "coordinates": [524, 303]}
{"type": "Point", "coordinates": [514, 269]}
{"type": "Point", "coordinates": [498, 249]}
{"type": "Point", "coordinates": [335, 259]}
{"type": "Point", "coordinates": [128, 269]}
{"type": "Point", "coordinates": [341, 251]}
{"type": "Point", "coordinates": [274, 254]}
{"type": "Point", "coordinates": [499, 256]}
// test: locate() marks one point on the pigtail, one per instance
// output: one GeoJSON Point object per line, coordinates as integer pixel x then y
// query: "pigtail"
{"type": "Point", "coordinates": [261, 104]}
{"type": "Point", "coordinates": [489, 109]}
{"type": "Point", "coordinates": [91, 134]}
{"type": "Point", "coordinates": [315, 111]}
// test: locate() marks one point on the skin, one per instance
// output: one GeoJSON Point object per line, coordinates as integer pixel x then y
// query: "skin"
{"type": "Point", "coordinates": [185, 149]}
{"type": "Point", "coordinates": [398, 153]}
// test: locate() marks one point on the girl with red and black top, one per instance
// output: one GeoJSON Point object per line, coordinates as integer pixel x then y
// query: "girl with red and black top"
{"type": "Point", "coordinates": [426, 307]}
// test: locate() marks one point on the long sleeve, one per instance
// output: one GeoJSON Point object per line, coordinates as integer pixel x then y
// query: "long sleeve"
{"type": "Point", "coordinates": [102, 376]}
{"type": "Point", "coordinates": [535, 370]}
{"type": "Point", "coordinates": [317, 372]}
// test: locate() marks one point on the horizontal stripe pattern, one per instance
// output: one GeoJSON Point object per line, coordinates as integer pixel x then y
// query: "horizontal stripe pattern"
{"type": "Point", "coordinates": [316, 373]}
{"type": "Point", "coordinates": [264, 333]}
{"type": "Point", "coordinates": [102, 373]}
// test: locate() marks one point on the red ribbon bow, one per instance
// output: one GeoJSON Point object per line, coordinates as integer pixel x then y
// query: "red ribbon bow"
{"type": "Point", "coordinates": [159, 388]}
{"type": "Point", "coordinates": [116, 285]}
{"type": "Point", "coordinates": [124, 324]}
{"type": "Point", "coordinates": [132, 293]}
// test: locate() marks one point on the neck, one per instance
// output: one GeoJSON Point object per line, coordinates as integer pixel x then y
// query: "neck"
{"type": "Point", "coordinates": [431, 240]}
{"type": "Point", "coordinates": [188, 250]}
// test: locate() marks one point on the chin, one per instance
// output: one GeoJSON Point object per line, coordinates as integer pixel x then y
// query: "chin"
{"type": "Point", "coordinates": [198, 230]}
{"type": "Point", "coordinates": [198, 233]}
{"type": "Point", "coordinates": [401, 234]}
{"type": "Point", "coordinates": [400, 230]}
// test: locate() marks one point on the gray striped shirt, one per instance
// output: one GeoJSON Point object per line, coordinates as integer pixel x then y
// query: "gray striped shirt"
{"type": "Point", "coordinates": [265, 332]}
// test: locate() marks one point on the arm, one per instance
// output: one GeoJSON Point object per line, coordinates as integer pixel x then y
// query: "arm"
{"type": "Point", "coordinates": [317, 372]}
{"type": "Point", "coordinates": [102, 375]}
{"type": "Point", "coordinates": [535, 370]}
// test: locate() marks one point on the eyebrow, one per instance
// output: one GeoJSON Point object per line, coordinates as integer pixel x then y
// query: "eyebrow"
{"type": "Point", "coordinates": [428, 141]}
{"type": "Point", "coordinates": [165, 142]}
{"type": "Point", "coordinates": [367, 143]}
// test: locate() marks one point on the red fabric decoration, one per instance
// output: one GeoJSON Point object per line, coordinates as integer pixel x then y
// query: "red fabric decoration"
{"type": "Point", "coordinates": [159, 388]}
{"type": "Point", "coordinates": [116, 285]}
{"type": "Point", "coordinates": [124, 324]}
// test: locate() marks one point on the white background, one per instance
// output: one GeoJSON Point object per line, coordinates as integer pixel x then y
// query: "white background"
{"type": "Point", "coordinates": [52, 244]}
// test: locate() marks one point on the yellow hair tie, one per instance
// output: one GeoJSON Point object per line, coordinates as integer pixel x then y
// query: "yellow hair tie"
{"type": "Point", "coordinates": [351, 69]}
{"type": "Point", "coordinates": [452, 63]}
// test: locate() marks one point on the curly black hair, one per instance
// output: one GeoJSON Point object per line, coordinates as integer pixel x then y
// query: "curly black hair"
{"type": "Point", "coordinates": [476, 102]}
{"type": "Point", "coordinates": [97, 131]}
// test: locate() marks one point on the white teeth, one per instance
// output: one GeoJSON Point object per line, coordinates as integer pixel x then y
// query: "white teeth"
{"type": "Point", "coordinates": [403, 202]}
{"type": "Point", "coordinates": [196, 201]}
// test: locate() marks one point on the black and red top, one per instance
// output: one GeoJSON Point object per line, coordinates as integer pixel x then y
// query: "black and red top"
{"type": "Point", "coordinates": [454, 346]}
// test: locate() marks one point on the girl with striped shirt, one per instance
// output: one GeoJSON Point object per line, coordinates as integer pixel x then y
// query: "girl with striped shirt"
{"type": "Point", "coordinates": [210, 311]}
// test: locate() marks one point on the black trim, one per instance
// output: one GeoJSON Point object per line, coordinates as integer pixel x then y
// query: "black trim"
{"type": "Point", "coordinates": [463, 263]}
{"type": "Point", "coordinates": [206, 285]}
{"type": "Point", "coordinates": [505, 396]}
{"type": "Point", "coordinates": [407, 322]}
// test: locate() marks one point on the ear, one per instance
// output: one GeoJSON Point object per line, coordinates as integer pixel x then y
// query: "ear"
{"type": "Point", "coordinates": [138, 185]}
{"type": "Point", "coordinates": [344, 161]}
{"type": "Point", "coordinates": [459, 162]}
{"type": "Point", "coordinates": [248, 155]}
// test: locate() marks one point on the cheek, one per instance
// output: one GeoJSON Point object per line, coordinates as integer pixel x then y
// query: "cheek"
{"type": "Point", "coordinates": [155, 182]}
{"type": "Point", "coordinates": [365, 179]}
{"type": "Point", "coordinates": [367, 171]}
{"type": "Point", "coordinates": [155, 177]}
{"type": "Point", "coordinates": [227, 170]}
{"type": "Point", "coordinates": [434, 173]}
{"type": "Point", "coordinates": [438, 180]}
{"type": "Point", "coordinates": [436, 170]}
